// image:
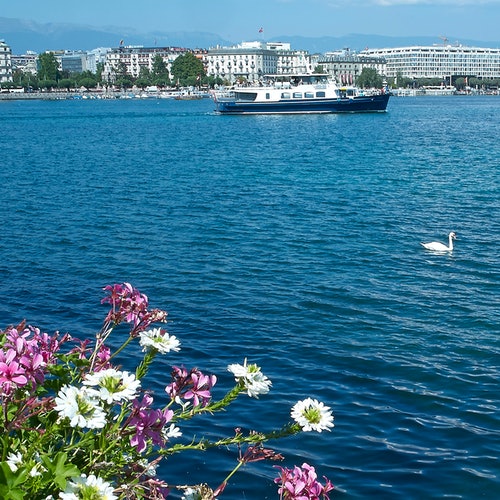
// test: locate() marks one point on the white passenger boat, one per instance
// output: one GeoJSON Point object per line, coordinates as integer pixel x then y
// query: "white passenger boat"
{"type": "Point", "coordinates": [311, 93]}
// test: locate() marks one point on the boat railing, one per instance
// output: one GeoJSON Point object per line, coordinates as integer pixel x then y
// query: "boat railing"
{"type": "Point", "coordinates": [222, 94]}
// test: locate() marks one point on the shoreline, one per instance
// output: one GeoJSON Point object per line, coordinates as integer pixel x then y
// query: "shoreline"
{"type": "Point", "coordinates": [65, 95]}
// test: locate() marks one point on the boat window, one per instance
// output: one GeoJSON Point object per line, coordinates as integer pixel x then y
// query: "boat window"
{"type": "Point", "coordinates": [268, 95]}
{"type": "Point", "coordinates": [245, 96]}
{"type": "Point", "coordinates": [297, 95]}
{"type": "Point", "coordinates": [285, 95]}
{"type": "Point", "coordinates": [320, 94]}
{"type": "Point", "coordinates": [309, 95]}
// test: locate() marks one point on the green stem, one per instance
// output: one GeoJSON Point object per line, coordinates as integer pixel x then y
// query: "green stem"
{"type": "Point", "coordinates": [255, 437]}
{"type": "Point", "coordinates": [212, 407]}
{"type": "Point", "coordinates": [120, 349]}
{"type": "Point", "coordinates": [143, 367]}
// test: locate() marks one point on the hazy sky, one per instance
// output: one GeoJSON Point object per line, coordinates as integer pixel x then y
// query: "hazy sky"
{"type": "Point", "coordinates": [239, 20]}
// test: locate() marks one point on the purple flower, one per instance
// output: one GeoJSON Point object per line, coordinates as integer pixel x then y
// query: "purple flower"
{"type": "Point", "coordinates": [12, 374]}
{"type": "Point", "coordinates": [25, 355]}
{"type": "Point", "coordinates": [193, 386]}
{"type": "Point", "coordinates": [131, 306]}
{"type": "Point", "coordinates": [147, 423]}
{"type": "Point", "coordinates": [300, 483]}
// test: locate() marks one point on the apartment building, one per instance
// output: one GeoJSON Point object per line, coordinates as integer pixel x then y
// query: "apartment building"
{"type": "Point", "coordinates": [5, 63]}
{"type": "Point", "coordinates": [439, 61]}
{"type": "Point", "coordinates": [250, 61]}
{"type": "Point", "coordinates": [346, 66]}
{"type": "Point", "coordinates": [133, 59]}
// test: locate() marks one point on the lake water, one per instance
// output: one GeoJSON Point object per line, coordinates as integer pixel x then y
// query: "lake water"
{"type": "Point", "coordinates": [292, 241]}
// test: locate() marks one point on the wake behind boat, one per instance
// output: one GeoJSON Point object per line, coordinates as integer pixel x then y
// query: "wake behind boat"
{"type": "Point", "coordinates": [311, 93]}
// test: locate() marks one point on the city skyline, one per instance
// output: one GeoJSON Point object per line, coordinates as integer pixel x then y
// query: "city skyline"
{"type": "Point", "coordinates": [236, 20]}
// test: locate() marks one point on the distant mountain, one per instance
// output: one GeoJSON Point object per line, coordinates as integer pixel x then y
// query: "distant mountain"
{"type": "Point", "coordinates": [22, 35]}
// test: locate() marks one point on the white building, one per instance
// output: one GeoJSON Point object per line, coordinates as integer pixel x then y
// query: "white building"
{"type": "Point", "coordinates": [95, 57]}
{"type": "Point", "coordinates": [133, 59]}
{"type": "Point", "coordinates": [27, 63]}
{"type": "Point", "coordinates": [5, 63]}
{"type": "Point", "coordinates": [345, 66]}
{"type": "Point", "coordinates": [440, 61]}
{"type": "Point", "coordinates": [250, 61]}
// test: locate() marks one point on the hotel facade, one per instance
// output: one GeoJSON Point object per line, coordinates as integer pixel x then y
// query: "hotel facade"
{"type": "Point", "coordinates": [134, 59]}
{"type": "Point", "coordinates": [252, 60]}
{"type": "Point", "coordinates": [441, 61]}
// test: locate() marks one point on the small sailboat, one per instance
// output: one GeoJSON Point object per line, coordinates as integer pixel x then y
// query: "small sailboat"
{"type": "Point", "coordinates": [437, 246]}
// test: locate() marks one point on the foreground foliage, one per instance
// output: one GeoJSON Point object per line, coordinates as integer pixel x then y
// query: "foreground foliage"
{"type": "Point", "coordinates": [75, 426]}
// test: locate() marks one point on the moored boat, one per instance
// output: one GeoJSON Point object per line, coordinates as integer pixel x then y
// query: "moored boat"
{"type": "Point", "coordinates": [311, 93]}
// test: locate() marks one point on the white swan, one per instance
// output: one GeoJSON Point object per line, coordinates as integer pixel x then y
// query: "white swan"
{"type": "Point", "coordinates": [441, 247]}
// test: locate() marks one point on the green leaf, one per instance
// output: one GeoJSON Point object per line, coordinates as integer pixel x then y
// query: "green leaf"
{"type": "Point", "coordinates": [10, 482]}
{"type": "Point", "coordinates": [60, 468]}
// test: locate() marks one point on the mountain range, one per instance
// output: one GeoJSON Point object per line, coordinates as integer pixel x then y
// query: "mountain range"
{"type": "Point", "coordinates": [23, 35]}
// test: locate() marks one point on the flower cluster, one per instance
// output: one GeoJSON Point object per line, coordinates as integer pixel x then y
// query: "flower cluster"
{"type": "Point", "coordinates": [250, 378]}
{"type": "Point", "coordinates": [88, 487]}
{"type": "Point", "coordinates": [301, 483]}
{"type": "Point", "coordinates": [192, 386]}
{"type": "Point", "coordinates": [75, 425]}
{"type": "Point", "coordinates": [159, 339]}
{"type": "Point", "coordinates": [24, 357]}
{"type": "Point", "coordinates": [131, 306]}
{"type": "Point", "coordinates": [150, 424]}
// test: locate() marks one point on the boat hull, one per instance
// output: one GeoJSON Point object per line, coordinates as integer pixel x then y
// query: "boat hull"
{"type": "Point", "coordinates": [358, 104]}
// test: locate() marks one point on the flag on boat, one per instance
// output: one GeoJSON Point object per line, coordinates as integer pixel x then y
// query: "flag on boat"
{"type": "Point", "coordinates": [261, 30]}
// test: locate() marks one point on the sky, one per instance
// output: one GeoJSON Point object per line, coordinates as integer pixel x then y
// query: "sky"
{"type": "Point", "coordinates": [240, 20]}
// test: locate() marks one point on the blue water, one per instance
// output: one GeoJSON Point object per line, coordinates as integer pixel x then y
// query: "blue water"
{"type": "Point", "coordinates": [293, 241]}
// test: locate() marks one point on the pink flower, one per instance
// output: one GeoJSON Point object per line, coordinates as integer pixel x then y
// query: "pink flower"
{"type": "Point", "coordinates": [147, 423]}
{"type": "Point", "coordinates": [131, 306]}
{"type": "Point", "coordinates": [300, 483]}
{"type": "Point", "coordinates": [193, 385]}
{"type": "Point", "coordinates": [12, 374]}
{"type": "Point", "coordinates": [31, 351]}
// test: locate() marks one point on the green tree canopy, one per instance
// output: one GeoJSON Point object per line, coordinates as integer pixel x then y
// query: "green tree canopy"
{"type": "Point", "coordinates": [188, 69]}
{"type": "Point", "coordinates": [144, 78]}
{"type": "Point", "coordinates": [48, 67]}
{"type": "Point", "coordinates": [159, 71]}
{"type": "Point", "coordinates": [369, 78]}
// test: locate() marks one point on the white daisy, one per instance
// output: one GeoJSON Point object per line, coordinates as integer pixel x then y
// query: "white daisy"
{"type": "Point", "coordinates": [159, 339]}
{"type": "Point", "coordinates": [84, 487]}
{"type": "Point", "coordinates": [312, 415]}
{"type": "Point", "coordinates": [252, 379]}
{"type": "Point", "coordinates": [81, 406]}
{"type": "Point", "coordinates": [14, 460]}
{"type": "Point", "coordinates": [113, 385]}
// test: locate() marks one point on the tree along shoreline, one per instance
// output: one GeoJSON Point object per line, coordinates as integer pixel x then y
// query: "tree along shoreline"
{"type": "Point", "coordinates": [106, 94]}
